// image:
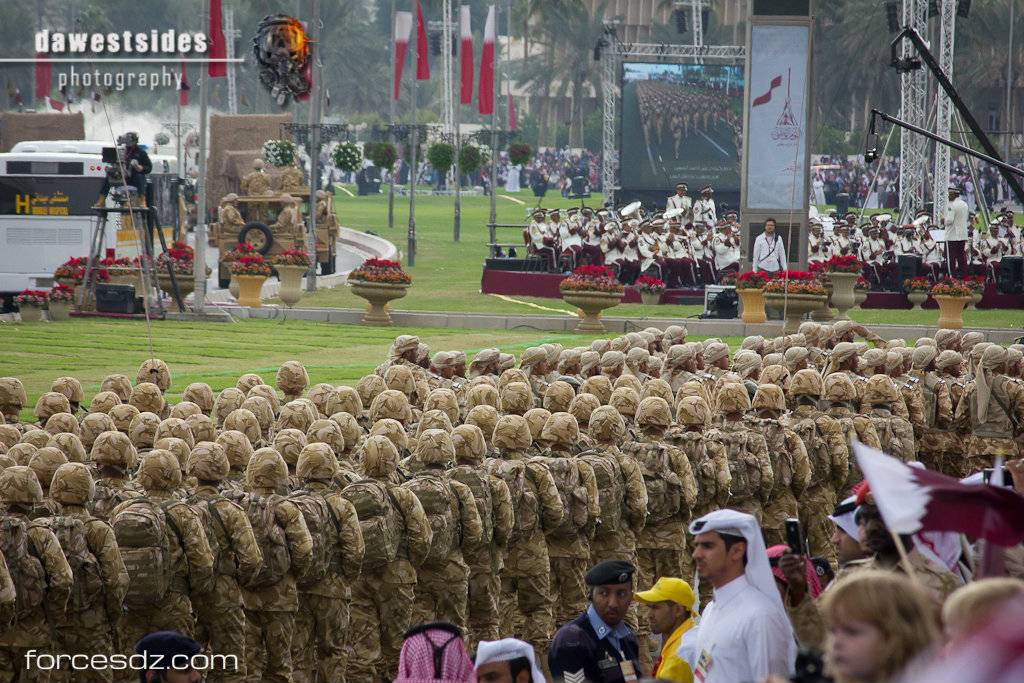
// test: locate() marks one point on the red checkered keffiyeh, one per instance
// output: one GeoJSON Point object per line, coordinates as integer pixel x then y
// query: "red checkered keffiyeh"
{"type": "Point", "coordinates": [434, 656]}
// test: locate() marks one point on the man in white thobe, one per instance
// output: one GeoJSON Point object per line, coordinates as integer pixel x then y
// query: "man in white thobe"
{"type": "Point", "coordinates": [769, 251]}
{"type": "Point", "coordinates": [744, 634]}
{"type": "Point", "coordinates": [955, 224]}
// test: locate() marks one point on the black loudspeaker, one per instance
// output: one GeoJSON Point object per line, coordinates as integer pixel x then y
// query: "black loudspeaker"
{"type": "Point", "coordinates": [1011, 275]}
{"type": "Point", "coordinates": [909, 266]}
{"type": "Point", "coordinates": [724, 305]}
{"type": "Point", "coordinates": [517, 265]}
{"type": "Point", "coordinates": [782, 8]}
{"type": "Point", "coordinates": [115, 299]}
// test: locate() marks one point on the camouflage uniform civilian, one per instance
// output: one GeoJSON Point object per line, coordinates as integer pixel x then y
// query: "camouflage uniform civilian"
{"type": "Point", "coordinates": [746, 451]}
{"type": "Point", "coordinates": [790, 463]}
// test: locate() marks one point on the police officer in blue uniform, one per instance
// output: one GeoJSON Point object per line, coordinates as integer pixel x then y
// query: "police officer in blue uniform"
{"type": "Point", "coordinates": [598, 646]}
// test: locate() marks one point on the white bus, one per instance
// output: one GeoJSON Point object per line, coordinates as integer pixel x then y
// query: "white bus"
{"type": "Point", "coordinates": [47, 190]}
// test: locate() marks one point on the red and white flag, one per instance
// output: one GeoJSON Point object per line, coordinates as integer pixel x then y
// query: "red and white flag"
{"type": "Point", "coordinates": [767, 97]}
{"type": "Point", "coordinates": [422, 65]}
{"type": "Point", "coordinates": [466, 55]}
{"type": "Point", "coordinates": [912, 500]}
{"type": "Point", "coordinates": [183, 88]}
{"type": "Point", "coordinates": [218, 49]}
{"type": "Point", "coordinates": [56, 104]}
{"type": "Point", "coordinates": [485, 94]}
{"type": "Point", "coordinates": [44, 76]}
{"type": "Point", "coordinates": [403, 30]}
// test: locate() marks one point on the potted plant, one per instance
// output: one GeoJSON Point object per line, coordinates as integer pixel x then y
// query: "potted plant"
{"type": "Point", "coordinates": [121, 270]}
{"type": "Point", "coordinates": [951, 295]}
{"type": "Point", "coordinates": [470, 159]}
{"type": "Point", "coordinates": [67, 273]}
{"type": "Point", "coordinates": [796, 293]}
{"type": "Point", "coordinates": [383, 155]}
{"type": "Point", "coordinates": [31, 303]}
{"type": "Point", "coordinates": [181, 258]}
{"type": "Point", "coordinates": [379, 281]}
{"type": "Point", "coordinates": [291, 265]}
{"type": "Point", "coordinates": [860, 290]}
{"type": "Point", "coordinates": [519, 153]}
{"type": "Point", "coordinates": [591, 289]}
{"type": "Point", "coordinates": [441, 156]}
{"type": "Point", "coordinates": [347, 157]}
{"type": "Point", "coordinates": [651, 289]}
{"type": "Point", "coordinates": [279, 153]}
{"type": "Point", "coordinates": [239, 250]}
{"type": "Point", "coordinates": [750, 288]}
{"type": "Point", "coordinates": [59, 300]}
{"type": "Point", "coordinates": [251, 272]}
{"type": "Point", "coordinates": [917, 289]}
{"type": "Point", "coordinates": [977, 285]}
{"type": "Point", "coordinates": [843, 272]}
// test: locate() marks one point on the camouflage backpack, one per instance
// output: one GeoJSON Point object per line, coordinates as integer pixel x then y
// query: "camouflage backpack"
{"type": "Point", "coordinates": [664, 490]}
{"type": "Point", "coordinates": [108, 497]}
{"type": "Point", "coordinates": [695, 448]}
{"type": "Point", "coordinates": [88, 586]}
{"type": "Point", "coordinates": [816, 445]}
{"type": "Point", "coordinates": [781, 458]}
{"type": "Point", "coordinates": [217, 534]}
{"type": "Point", "coordinates": [476, 480]}
{"type": "Point", "coordinates": [929, 399]}
{"type": "Point", "coordinates": [436, 497]}
{"type": "Point", "coordinates": [270, 537]}
{"type": "Point", "coordinates": [611, 488]}
{"type": "Point", "coordinates": [143, 530]}
{"type": "Point", "coordinates": [26, 569]}
{"type": "Point", "coordinates": [380, 520]}
{"type": "Point", "coordinates": [743, 466]}
{"type": "Point", "coordinates": [525, 505]}
{"type": "Point", "coordinates": [324, 528]}
{"type": "Point", "coordinates": [566, 474]}
{"type": "Point", "coordinates": [887, 437]}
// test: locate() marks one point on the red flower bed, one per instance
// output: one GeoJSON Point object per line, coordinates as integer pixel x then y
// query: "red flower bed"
{"type": "Point", "coordinates": [917, 284]}
{"type": "Point", "coordinates": [844, 264]}
{"type": "Point", "coordinates": [753, 279]}
{"type": "Point", "coordinates": [180, 255]}
{"type": "Point", "coordinates": [976, 283]}
{"type": "Point", "coordinates": [32, 297]}
{"type": "Point", "coordinates": [794, 282]}
{"type": "Point", "coordinates": [239, 250]}
{"type": "Point", "coordinates": [650, 284]}
{"type": "Point", "coordinates": [292, 257]}
{"type": "Point", "coordinates": [61, 293]}
{"type": "Point", "coordinates": [592, 279]}
{"type": "Point", "coordinates": [951, 287]}
{"type": "Point", "coordinates": [380, 271]}
{"type": "Point", "coordinates": [254, 264]}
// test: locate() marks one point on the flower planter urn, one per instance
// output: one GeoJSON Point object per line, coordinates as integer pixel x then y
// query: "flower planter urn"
{"type": "Point", "coordinates": [650, 298]}
{"type": "Point", "coordinates": [752, 305]}
{"type": "Point", "coordinates": [951, 311]}
{"type": "Point", "coordinates": [843, 295]}
{"type": "Point", "coordinates": [859, 296]}
{"type": "Point", "coordinates": [590, 305]}
{"type": "Point", "coordinates": [186, 285]}
{"type": "Point", "coordinates": [233, 286]}
{"type": "Point", "coordinates": [30, 314]}
{"type": "Point", "coordinates": [825, 313]}
{"type": "Point", "coordinates": [291, 283]}
{"type": "Point", "coordinates": [976, 298]}
{"type": "Point", "coordinates": [917, 298]}
{"type": "Point", "coordinates": [795, 306]}
{"type": "Point", "coordinates": [59, 310]}
{"type": "Point", "coordinates": [249, 287]}
{"type": "Point", "coordinates": [377, 295]}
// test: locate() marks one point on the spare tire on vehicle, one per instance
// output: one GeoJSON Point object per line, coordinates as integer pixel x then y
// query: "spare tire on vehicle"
{"type": "Point", "coordinates": [258, 235]}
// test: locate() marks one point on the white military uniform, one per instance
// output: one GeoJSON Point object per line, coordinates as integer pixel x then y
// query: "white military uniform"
{"type": "Point", "coordinates": [704, 212]}
{"type": "Point", "coordinates": [684, 203]}
{"type": "Point", "coordinates": [819, 248]}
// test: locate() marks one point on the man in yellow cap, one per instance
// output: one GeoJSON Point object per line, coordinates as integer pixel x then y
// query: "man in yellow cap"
{"type": "Point", "coordinates": [671, 614]}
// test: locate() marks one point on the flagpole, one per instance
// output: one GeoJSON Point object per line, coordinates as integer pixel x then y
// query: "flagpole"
{"type": "Point", "coordinates": [199, 269]}
{"type": "Point", "coordinates": [457, 106]}
{"type": "Point", "coordinates": [391, 120]}
{"type": "Point", "coordinates": [411, 238]}
{"type": "Point", "coordinates": [314, 149]}
{"type": "Point", "coordinates": [495, 94]}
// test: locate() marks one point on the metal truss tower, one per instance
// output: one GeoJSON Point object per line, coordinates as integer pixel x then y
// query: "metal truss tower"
{"type": "Point", "coordinates": [913, 109]}
{"type": "Point", "coordinates": [947, 32]}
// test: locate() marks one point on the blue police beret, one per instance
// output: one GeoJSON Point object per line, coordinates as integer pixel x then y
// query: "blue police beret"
{"type": "Point", "coordinates": [160, 648]}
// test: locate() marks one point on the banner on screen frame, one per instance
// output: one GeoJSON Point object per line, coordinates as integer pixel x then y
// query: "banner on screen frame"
{"type": "Point", "coordinates": [777, 118]}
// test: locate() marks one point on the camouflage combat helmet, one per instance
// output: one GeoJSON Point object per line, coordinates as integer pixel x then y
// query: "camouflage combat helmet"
{"type": "Point", "coordinates": [202, 427]}
{"type": "Point", "coordinates": [606, 424]}
{"type": "Point", "coordinates": [482, 395]}
{"type": "Point", "coordinates": [653, 412]}
{"type": "Point", "coordinates": [512, 433]}
{"type": "Point", "coordinates": [37, 437]}
{"type": "Point", "coordinates": [561, 429]}
{"type": "Point", "coordinates": [391, 404]}
{"type": "Point", "coordinates": [63, 423]}
{"type": "Point", "coordinates": [159, 470]}
{"type": "Point", "coordinates": [806, 382]}
{"type": "Point", "coordinates": [469, 443]}
{"type": "Point", "coordinates": [208, 461]}
{"type": "Point", "coordinates": [344, 400]}
{"type": "Point", "coordinates": [176, 428]}
{"type": "Point", "coordinates": [769, 397]}
{"type": "Point", "coordinates": [142, 430]}
{"type": "Point", "coordinates": [399, 378]}
{"type": "Point", "coordinates": [693, 410]}
{"type": "Point", "coordinates": [247, 382]}
{"type": "Point", "coordinates": [516, 398]}
{"type": "Point", "coordinates": [599, 386]}
{"type": "Point", "coordinates": [103, 402]}
{"type": "Point", "coordinates": [260, 407]}
{"type": "Point", "coordinates": [626, 401]}
{"type": "Point", "coordinates": [582, 408]}
{"type": "Point", "coordinates": [558, 396]}
{"type": "Point", "coordinates": [326, 432]}
{"type": "Point", "coordinates": [122, 416]}
{"type": "Point", "coordinates": [184, 410]}
{"type": "Point", "coordinates": [839, 388]}
{"type": "Point", "coordinates": [266, 470]}
{"type": "Point", "coordinates": [50, 404]}
{"type": "Point", "coordinates": [70, 387]}
{"type": "Point", "coordinates": [536, 418]}
{"type": "Point", "coordinates": [9, 435]}
{"type": "Point", "coordinates": [227, 400]}
{"type": "Point", "coordinates": [350, 429]}
{"type": "Point", "coordinates": [393, 431]}
{"type": "Point", "coordinates": [289, 443]}
{"type": "Point", "coordinates": [657, 387]}
{"type": "Point", "coordinates": [630, 382]}
{"type": "Point", "coordinates": [72, 484]}
{"type": "Point", "coordinates": [379, 457]}
{"type": "Point", "coordinates": [434, 447]}
{"type": "Point", "coordinates": [293, 416]}
{"type": "Point", "coordinates": [312, 414]}
{"type": "Point", "coordinates": [147, 398]}
{"type": "Point", "coordinates": [266, 392]}
{"type": "Point", "coordinates": [369, 387]}
{"type": "Point", "coordinates": [484, 417]}
{"type": "Point", "coordinates": [114, 449]}
{"type": "Point", "coordinates": [292, 379]}
{"type": "Point", "coordinates": [242, 420]}
{"type": "Point", "coordinates": [44, 462]}
{"type": "Point", "coordinates": [433, 419]}
{"type": "Point", "coordinates": [237, 447]}
{"type": "Point", "coordinates": [21, 453]}
{"type": "Point", "coordinates": [445, 401]}
{"type": "Point", "coordinates": [12, 396]}
{"type": "Point", "coordinates": [319, 394]}
{"type": "Point", "coordinates": [19, 485]}
{"type": "Point", "coordinates": [119, 385]}
{"type": "Point", "coordinates": [512, 375]}
{"type": "Point", "coordinates": [154, 371]}
{"type": "Point", "coordinates": [70, 445]}
{"type": "Point", "coordinates": [880, 390]}
{"type": "Point", "coordinates": [316, 463]}
{"type": "Point", "coordinates": [733, 398]}
{"type": "Point", "coordinates": [177, 447]}
{"type": "Point", "coordinates": [777, 375]}
{"type": "Point", "coordinates": [201, 394]}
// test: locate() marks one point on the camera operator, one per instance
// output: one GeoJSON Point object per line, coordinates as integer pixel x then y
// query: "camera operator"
{"type": "Point", "coordinates": [136, 165]}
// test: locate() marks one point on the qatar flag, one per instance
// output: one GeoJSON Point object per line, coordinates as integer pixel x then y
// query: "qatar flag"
{"type": "Point", "coordinates": [466, 55]}
{"type": "Point", "coordinates": [217, 49]}
{"type": "Point", "coordinates": [422, 63]}
{"type": "Point", "coordinates": [989, 652]}
{"type": "Point", "coordinates": [912, 500]}
{"type": "Point", "coordinates": [485, 94]}
{"type": "Point", "coordinates": [403, 29]}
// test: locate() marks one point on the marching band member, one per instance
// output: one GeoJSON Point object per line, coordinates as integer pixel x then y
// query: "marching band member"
{"type": "Point", "coordinates": [704, 209]}
{"type": "Point", "coordinates": [680, 200]}
{"type": "Point", "coordinates": [726, 248]}
{"type": "Point", "coordinates": [932, 254]}
{"type": "Point", "coordinates": [991, 248]}
{"type": "Point", "coordinates": [702, 255]}
{"type": "Point", "coordinates": [649, 246]}
{"type": "Point", "coordinates": [541, 238]}
{"type": "Point", "coordinates": [875, 254]}
{"type": "Point", "coordinates": [630, 263]}
{"type": "Point", "coordinates": [570, 238]}
{"type": "Point", "coordinates": [593, 229]}
{"type": "Point", "coordinates": [819, 248]}
{"type": "Point", "coordinates": [906, 244]}
{"type": "Point", "coordinates": [842, 245]}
